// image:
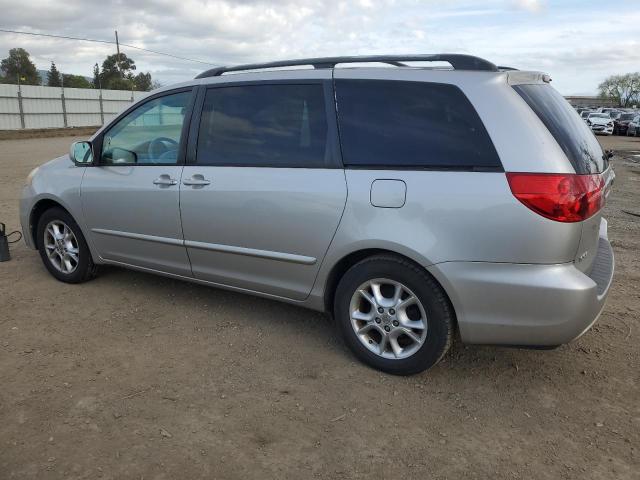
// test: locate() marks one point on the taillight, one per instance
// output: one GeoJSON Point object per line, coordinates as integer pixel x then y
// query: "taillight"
{"type": "Point", "coordinates": [560, 197]}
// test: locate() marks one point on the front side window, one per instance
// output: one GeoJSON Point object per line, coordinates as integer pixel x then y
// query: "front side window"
{"type": "Point", "coordinates": [276, 125]}
{"type": "Point", "coordinates": [398, 124]}
{"type": "Point", "coordinates": [149, 135]}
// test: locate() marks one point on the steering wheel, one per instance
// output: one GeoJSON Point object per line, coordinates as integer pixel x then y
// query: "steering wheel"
{"type": "Point", "coordinates": [158, 146]}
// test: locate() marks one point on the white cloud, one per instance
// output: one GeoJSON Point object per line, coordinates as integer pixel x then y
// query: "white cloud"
{"type": "Point", "coordinates": [531, 5]}
{"type": "Point", "coordinates": [569, 43]}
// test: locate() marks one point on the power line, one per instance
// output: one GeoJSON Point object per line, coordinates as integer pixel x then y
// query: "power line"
{"type": "Point", "coordinates": [107, 42]}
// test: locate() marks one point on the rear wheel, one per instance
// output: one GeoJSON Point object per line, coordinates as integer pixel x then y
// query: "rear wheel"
{"type": "Point", "coordinates": [393, 315]}
{"type": "Point", "coordinates": [63, 248]}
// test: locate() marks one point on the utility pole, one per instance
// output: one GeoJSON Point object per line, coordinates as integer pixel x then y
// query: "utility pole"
{"type": "Point", "coordinates": [118, 50]}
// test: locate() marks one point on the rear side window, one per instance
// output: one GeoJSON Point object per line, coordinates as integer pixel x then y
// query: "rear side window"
{"type": "Point", "coordinates": [411, 125]}
{"type": "Point", "coordinates": [570, 131]}
{"type": "Point", "coordinates": [264, 126]}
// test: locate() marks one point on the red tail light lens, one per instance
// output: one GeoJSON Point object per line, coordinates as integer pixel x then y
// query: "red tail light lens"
{"type": "Point", "coordinates": [559, 197]}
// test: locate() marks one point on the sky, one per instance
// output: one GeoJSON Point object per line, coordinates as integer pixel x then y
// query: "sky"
{"type": "Point", "coordinates": [578, 42]}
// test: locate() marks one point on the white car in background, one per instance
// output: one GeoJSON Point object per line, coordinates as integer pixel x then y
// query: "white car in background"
{"type": "Point", "coordinates": [600, 123]}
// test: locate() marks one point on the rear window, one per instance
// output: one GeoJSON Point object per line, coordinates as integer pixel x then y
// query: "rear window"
{"type": "Point", "coordinates": [570, 131]}
{"type": "Point", "coordinates": [411, 125]}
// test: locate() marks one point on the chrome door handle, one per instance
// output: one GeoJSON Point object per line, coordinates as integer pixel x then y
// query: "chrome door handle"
{"type": "Point", "coordinates": [196, 180]}
{"type": "Point", "coordinates": [165, 180]}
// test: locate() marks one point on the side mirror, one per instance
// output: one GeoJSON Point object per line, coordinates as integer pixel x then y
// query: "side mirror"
{"type": "Point", "coordinates": [81, 153]}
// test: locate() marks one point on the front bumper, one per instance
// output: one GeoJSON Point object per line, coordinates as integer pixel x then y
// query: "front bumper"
{"type": "Point", "coordinates": [26, 201]}
{"type": "Point", "coordinates": [602, 130]}
{"type": "Point", "coordinates": [526, 304]}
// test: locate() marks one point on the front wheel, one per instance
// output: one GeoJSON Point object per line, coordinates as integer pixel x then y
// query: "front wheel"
{"type": "Point", "coordinates": [393, 315]}
{"type": "Point", "coordinates": [63, 248]}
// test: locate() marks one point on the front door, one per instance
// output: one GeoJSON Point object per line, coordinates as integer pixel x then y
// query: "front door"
{"type": "Point", "coordinates": [265, 194]}
{"type": "Point", "coordinates": [130, 199]}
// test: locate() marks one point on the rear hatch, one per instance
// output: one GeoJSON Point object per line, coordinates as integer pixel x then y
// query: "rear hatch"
{"type": "Point", "coordinates": [591, 182]}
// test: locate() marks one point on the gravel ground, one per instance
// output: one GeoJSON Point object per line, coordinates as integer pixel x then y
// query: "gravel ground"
{"type": "Point", "coordinates": [137, 376]}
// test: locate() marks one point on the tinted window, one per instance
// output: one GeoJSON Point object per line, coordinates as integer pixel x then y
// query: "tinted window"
{"type": "Point", "coordinates": [264, 125]}
{"type": "Point", "coordinates": [569, 130]}
{"type": "Point", "coordinates": [149, 135]}
{"type": "Point", "coordinates": [411, 124]}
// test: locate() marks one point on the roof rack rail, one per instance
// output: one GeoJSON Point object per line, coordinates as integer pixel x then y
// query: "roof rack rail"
{"type": "Point", "coordinates": [457, 61]}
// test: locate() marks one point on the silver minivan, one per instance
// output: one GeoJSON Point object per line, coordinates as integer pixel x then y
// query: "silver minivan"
{"type": "Point", "coordinates": [410, 202]}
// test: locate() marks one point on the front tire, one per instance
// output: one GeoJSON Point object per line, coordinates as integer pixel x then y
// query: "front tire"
{"type": "Point", "coordinates": [393, 315]}
{"type": "Point", "coordinates": [63, 248]}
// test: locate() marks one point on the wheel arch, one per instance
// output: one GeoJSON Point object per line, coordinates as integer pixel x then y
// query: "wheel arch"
{"type": "Point", "coordinates": [352, 258]}
{"type": "Point", "coordinates": [37, 210]}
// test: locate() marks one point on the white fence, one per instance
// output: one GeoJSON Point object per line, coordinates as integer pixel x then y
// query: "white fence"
{"type": "Point", "coordinates": [28, 106]}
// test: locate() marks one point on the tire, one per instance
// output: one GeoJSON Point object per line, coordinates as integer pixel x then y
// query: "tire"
{"type": "Point", "coordinates": [404, 355]}
{"type": "Point", "coordinates": [55, 244]}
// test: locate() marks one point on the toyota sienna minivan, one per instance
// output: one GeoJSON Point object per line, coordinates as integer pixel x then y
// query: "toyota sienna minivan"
{"type": "Point", "coordinates": [410, 202]}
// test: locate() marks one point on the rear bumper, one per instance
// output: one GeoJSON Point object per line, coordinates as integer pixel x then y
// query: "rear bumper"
{"type": "Point", "coordinates": [525, 304]}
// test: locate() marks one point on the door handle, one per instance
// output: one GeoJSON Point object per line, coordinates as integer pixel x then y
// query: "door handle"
{"type": "Point", "coordinates": [196, 180]}
{"type": "Point", "coordinates": [165, 180]}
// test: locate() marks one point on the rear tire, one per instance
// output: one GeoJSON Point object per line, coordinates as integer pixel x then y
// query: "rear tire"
{"type": "Point", "coordinates": [63, 248]}
{"type": "Point", "coordinates": [419, 322]}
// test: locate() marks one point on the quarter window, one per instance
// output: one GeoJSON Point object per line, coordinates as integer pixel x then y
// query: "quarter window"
{"type": "Point", "coordinates": [411, 125]}
{"type": "Point", "coordinates": [149, 135]}
{"type": "Point", "coordinates": [264, 126]}
{"type": "Point", "coordinates": [574, 137]}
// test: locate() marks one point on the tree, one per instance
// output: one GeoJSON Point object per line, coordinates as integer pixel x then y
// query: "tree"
{"type": "Point", "coordinates": [19, 64]}
{"type": "Point", "coordinates": [623, 89]}
{"type": "Point", "coordinates": [116, 67]}
{"type": "Point", "coordinates": [117, 73]}
{"type": "Point", "coordinates": [121, 84]}
{"type": "Point", "coordinates": [142, 82]}
{"type": "Point", "coordinates": [96, 76]}
{"type": "Point", "coordinates": [54, 76]}
{"type": "Point", "coordinates": [75, 81]}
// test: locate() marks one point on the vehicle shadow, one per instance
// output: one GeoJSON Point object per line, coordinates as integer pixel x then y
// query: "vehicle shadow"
{"type": "Point", "coordinates": [519, 367]}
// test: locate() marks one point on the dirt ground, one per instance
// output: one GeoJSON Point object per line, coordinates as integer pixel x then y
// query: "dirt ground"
{"type": "Point", "coordinates": [134, 376]}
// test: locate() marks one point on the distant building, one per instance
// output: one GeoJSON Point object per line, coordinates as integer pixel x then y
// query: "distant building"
{"type": "Point", "coordinates": [591, 102]}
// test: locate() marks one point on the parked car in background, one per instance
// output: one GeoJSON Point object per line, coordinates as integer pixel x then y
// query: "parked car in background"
{"type": "Point", "coordinates": [633, 128]}
{"type": "Point", "coordinates": [240, 181]}
{"type": "Point", "coordinates": [608, 110]}
{"type": "Point", "coordinates": [621, 124]}
{"type": "Point", "coordinates": [585, 114]}
{"type": "Point", "coordinates": [600, 123]}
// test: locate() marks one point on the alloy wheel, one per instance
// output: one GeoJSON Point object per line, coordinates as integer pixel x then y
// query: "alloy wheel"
{"type": "Point", "coordinates": [61, 247]}
{"type": "Point", "coordinates": [388, 318]}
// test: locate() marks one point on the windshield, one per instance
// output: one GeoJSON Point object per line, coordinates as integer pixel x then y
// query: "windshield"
{"type": "Point", "coordinates": [572, 134]}
{"type": "Point", "coordinates": [599, 115]}
{"type": "Point", "coordinates": [626, 116]}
